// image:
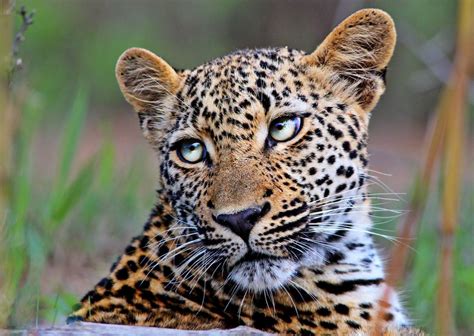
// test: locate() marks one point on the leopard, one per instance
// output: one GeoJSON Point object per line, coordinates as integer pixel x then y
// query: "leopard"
{"type": "Point", "coordinates": [263, 214]}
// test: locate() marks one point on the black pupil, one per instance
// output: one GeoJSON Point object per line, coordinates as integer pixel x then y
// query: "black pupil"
{"type": "Point", "coordinates": [280, 125]}
{"type": "Point", "coordinates": [193, 146]}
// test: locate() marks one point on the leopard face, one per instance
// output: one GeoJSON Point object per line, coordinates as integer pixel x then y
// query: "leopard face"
{"type": "Point", "coordinates": [263, 152]}
{"type": "Point", "coordinates": [283, 183]}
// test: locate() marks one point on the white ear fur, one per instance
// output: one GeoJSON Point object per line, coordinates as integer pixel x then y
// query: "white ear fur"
{"type": "Point", "coordinates": [145, 78]}
{"type": "Point", "coordinates": [149, 84]}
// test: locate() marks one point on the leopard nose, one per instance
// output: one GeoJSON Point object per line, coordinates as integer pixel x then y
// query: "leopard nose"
{"type": "Point", "coordinates": [242, 222]}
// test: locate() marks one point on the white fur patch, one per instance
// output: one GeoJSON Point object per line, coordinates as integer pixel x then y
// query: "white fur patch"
{"type": "Point", "coordinates": [261, 134]}
{"type": "Point", "coordinates": [261, 275]}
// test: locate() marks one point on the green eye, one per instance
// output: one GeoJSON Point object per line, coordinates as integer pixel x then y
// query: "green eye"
{"type": "Point", "coordinates": [191, 151]}
{"type": "Point", "coordinates": [284, 128]}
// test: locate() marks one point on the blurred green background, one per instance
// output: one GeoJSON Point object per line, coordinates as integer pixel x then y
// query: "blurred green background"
{"type": "Point", "coordinates": [81, 184]}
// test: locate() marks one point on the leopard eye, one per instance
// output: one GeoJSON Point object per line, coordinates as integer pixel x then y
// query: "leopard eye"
{"type": "Point", "coordinates": [285, 128]}
{"type": "Point", "coordinates": [191, 151]}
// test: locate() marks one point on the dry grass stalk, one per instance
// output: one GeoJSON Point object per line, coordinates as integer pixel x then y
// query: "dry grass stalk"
{"type": "Point", "coordinates": [452, 167]}
{"type": "Point", "coordinates": [408, 228]}
{"type": "Point", "coordinates": [9, 119]}
{"type": "Point", "coordinates": [6, 126]}
{"type": "Point", "coordinates": [446, 137]}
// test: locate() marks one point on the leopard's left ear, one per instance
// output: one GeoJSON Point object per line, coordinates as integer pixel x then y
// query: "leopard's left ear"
{"type": "Point", "coordinates": [356, 53]}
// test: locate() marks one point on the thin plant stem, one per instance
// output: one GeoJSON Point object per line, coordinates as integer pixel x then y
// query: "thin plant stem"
{"type": "Point", "coordinates": [452, 167]}
{"type": "Point", "coordinates": [6, 138]}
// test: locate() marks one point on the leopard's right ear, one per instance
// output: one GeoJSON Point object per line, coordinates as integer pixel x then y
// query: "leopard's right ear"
{"type": "Point", "coordinates": [145, 79]}
{"type": "Point", "coordinates": [150, 85]}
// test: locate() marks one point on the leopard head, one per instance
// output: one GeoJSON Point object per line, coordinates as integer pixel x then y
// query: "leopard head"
{"type": "Point", "coordinates": [262, 153]}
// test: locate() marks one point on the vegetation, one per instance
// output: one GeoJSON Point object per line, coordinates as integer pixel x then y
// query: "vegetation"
{"type": "Point", "coordinates": [73, 191]}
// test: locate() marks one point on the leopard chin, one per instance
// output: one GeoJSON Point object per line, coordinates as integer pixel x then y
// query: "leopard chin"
{"type": "Point", "coordinates": [263, 274]}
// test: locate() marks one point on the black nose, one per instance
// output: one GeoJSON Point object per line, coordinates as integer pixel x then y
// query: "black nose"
{"type": "Point", "coordinates": [241, 222]}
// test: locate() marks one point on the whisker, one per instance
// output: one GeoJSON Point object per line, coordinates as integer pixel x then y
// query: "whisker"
{"type": "Point", "coordinates": [379, 172]}
{"type": "Point", "coordinates": [323, 230]}
{"type": "Point", "coordinates": [242, 303]}
{"type": "Point", "coordinates": [348, 199]}
{"type": "Point", "coordinates": [159, 243]}
{"type": "Point", "coordinates": [195, 255]}
{"type": "Point", "coordinates": [187, 267]}
{"type": "Point", "coordinates": [293, 302]}
{"type": "Point", "coordinates": [296, 286]}
{"type": "Point", "coordinates": [379, 182]}
{"type": "Point", "coordinates": [204, 267]}
{"type": "Point", "coordinates": [233, 292]}
{"type": "Point", "coordinates": [335, 225]}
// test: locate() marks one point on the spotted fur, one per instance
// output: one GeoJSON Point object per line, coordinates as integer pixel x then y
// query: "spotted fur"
{"type": "Point", "coordinates": [308, 265]}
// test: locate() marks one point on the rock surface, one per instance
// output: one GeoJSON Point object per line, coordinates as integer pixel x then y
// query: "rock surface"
{"type": "Point", "coordinates": [86, 328]}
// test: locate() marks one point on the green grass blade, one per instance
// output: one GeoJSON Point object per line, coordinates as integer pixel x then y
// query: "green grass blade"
{"type": "Point", "coordinates": [71, 195]}
{"type": "Point", "coordinates": [71, 134]}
